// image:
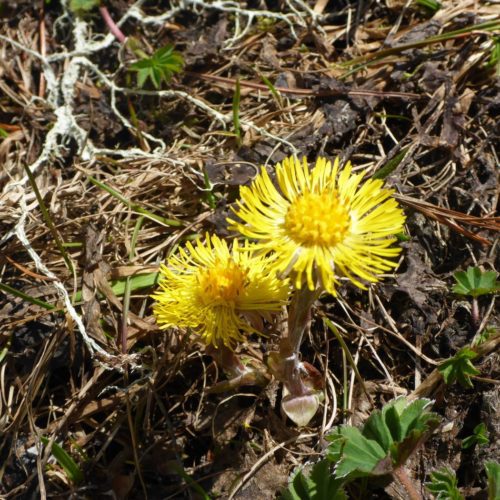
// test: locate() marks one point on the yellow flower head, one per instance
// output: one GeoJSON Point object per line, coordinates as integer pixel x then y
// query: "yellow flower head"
{"type": "Point", "coordinates": [209, 288]}
{"type": "Point", "coordinates": [321, 222]}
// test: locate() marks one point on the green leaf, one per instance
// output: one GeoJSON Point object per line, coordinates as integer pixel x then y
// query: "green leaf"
{"type": "Point", "coordinates": [415, 422]}
{"type": "Point", "coordinates": [479, 436]}
{"type": "Point", "coordinates": [459, 368]}
{"type": "Point", "coordinates": [65, 460]}
{"type": "Point", "coordinates": [443, 485]}
{"type": "Point", "coordinates": [160, 67]}
{"type": "Point", "coordinates": [475, 282]}
{"type": "Point", "coordinates": [319, 484]}
{"type": "Point", "coordinates": [82, 6]}
{"type": "Point", "coordinates": [387, 439]}
{"type": "Point", "coordinates": [493, 473]}
{"type": "Point", "coordinates": [359, 454]}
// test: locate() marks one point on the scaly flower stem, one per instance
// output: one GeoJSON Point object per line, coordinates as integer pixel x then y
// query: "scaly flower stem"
{"type": "Point", "coordinates": [299, 319]}
{"type": "Point", "coordinates": [227, 360]}
{"type": "Point", "coordinates": [237, 373]}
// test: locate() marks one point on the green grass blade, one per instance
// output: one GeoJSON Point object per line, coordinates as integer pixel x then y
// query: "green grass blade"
{"type": "Point", "coordinates": [236, 110]}
{"type": "Point", "coordinates": [390, 166]}
{"type": "Point", "coordinates": [65, 461]}
{"type": "Point", "coordinates": [431, 5]}
{"type": "Point", "coordinates": [272, 89]}
{"type": "Point", "coordinates": [192, 483]}
{"type": "Point", "coordinates": [28, 298]}
{"type": "Point", "coordinates": [134, 206]}
{"type": "Point", "coordinates": [48, 220]}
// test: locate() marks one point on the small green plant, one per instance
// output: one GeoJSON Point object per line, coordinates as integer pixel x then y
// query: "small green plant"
{"type": "Point", "coordinates": [160, 67]}
{"type": "Point", "coordinates": [493, 474]}
{"type": "Point", "coordinates": [475, 282]}
{"type": "Point", "coordinates": [443, 485]}
{"type": "Point", "coordinates": [385, 442]}
{"type": "Point", "coordinates": [380, 448]}
{"type": "Point", "coordinates": [319, 484]}
{"type": "Point", "coordinates": [479, 436]}
{"type": "Point", "coordinates": [488, 332]}
{"type": "Point", "coordinates": [459, 368]}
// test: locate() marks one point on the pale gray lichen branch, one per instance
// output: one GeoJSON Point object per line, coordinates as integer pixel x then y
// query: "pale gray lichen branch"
{"type": "Point", "coordinates": [20, 232]}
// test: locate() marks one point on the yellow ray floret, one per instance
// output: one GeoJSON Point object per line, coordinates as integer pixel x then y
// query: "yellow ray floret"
{"type": "Point", "coordinates": [321, 223]}
{"type": "Point", "coordinates": [209, 288]}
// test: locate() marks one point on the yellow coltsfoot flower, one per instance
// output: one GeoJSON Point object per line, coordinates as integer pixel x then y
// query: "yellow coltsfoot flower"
{"type": "Point", "coordinates": [321, 222]}
{"type": "Point", "coordinates": [209, 288]}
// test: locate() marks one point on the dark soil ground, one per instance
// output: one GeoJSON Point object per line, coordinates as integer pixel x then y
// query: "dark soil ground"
{"type": "Point", "coordinates": [84, 365]}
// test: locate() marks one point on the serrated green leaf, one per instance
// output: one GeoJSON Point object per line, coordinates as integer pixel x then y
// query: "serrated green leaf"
{"type": "Point", "coordinates": [475, 282]}
{"type": "Point", "coordinates": [163, 53]}
{"type": "Point", "coordinates": [414, 422]}
{"type": "Point", "coordinates": [479, 436]}
{"type": "Point", "coordinates": [142, 76]}
{"type": "Point", "coordinates": [159, 68]}
{"type": "Point", "coordinates": [334, 450]}
{"type": "Point", "coordinates": [359, 454]}
{"type": "Point", "coordinates": [65, 460]}
{"type": "Point", "coordinates": [156, 76]}
{"type": "Point", "coordinates": [400, 426]}
{"type": "Point", "coordinates": [416, 417]}
{"type": "Point", "coordinates": [387, 439]}
{"type": "Point", "coordinates": [443, 485]}
{"type": "Point", "coordinates": [459, 368]}
{"type": "Point", "coordinates": [493, 474]}
{"type": "Point", "coordinates": [401, 451]}
{"type": "Point", "coordinates": [319, 484]}
{"type": "Point", "coordinates": [376, 428]}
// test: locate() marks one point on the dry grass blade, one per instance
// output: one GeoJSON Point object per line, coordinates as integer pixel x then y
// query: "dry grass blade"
{"type": "Point", "coordinates": [453, 219]}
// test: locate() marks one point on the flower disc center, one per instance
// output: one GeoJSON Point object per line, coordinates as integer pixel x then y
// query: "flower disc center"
{"type": "Point", "coordinates": [222, 284]}
{"type": "Point", "coordinates": [317, 219]}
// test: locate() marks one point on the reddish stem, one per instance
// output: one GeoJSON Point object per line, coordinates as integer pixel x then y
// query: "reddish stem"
{"type": "Point", "coordinates": [402, 476]}
{"type": "Point", "coordinates": [111, 24]}
{"type": "Point", "coordinates": [475, 313]}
